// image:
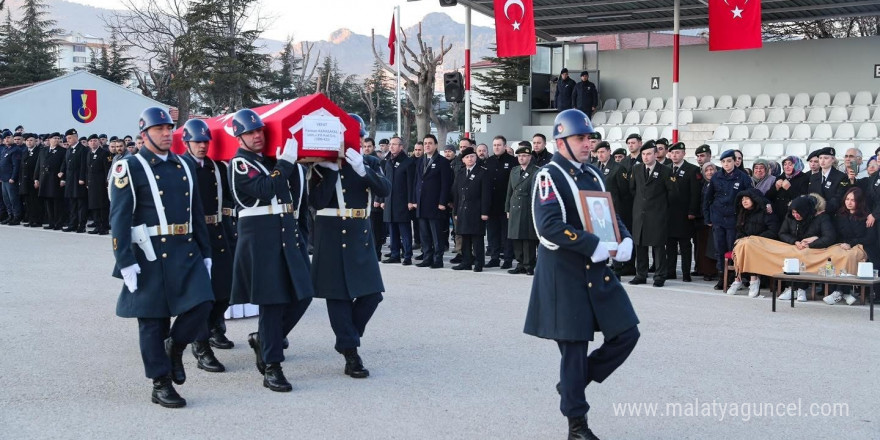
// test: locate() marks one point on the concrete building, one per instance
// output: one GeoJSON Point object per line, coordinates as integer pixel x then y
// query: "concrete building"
{"type": "Point", "coordinates": [75, 50]}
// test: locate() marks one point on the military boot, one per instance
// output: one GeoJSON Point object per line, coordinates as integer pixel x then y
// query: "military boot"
{"type": "Point", "coordinates": [254, 342]}
{"type": "Point", "coordinates": [578, 429]}
{"type": "Point", "coordinates": [218, 339]}
{"type": "Point", "coordinates": [164, 393]}
{"type": "Point", "coordinates": [353, 365]}
{"type": "Point", "coordinates": [205, 357]}
{"type": "Point", "coordinates": [274, 379]}
{"type": "Point", "coordinates": [175, 354]}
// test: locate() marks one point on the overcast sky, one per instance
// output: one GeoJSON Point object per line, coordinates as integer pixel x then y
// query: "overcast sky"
{"type": "Point", "coordinates": [316, 19]}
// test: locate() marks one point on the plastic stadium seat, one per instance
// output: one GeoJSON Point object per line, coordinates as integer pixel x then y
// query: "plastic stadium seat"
{"type": "Point", "coordinates": [796, 115]}
{"type": "Point", "coordinates": [760, 133]}
{"type": "Point", "coordinates": [600, 130]}
{"type": "Point", "coordinates": [614, 134]}
{"type": "Point", "coordinates": [690, 103]}
{"type": "Point", "coordinates": [666, 133]}
{"type": "Point", "coordinates": [780, 133]}
{"type": "Point", "coordinates": [630, 131]}
{"type": "Point", "coordinates": [599, 118]}
{"type": "Point", "coordinates": [724, 102]}
{"type": "Point", "coordinates": [817, 114]}
{"type": "Point", "coordinates": [669, 103]}
{"type": "Point", "coordinates": [773, 151]}
{"type": "Point", "coordinates": [876, 117]}
{"type": "Point", "coordinates": [625, 105]}
{"type": "Point", "coordinates": [822, 99]}
{"type": "Point", "coordinates": [722, 133]}
{"type": "Point", "coordinates": [739, 133]}
{"type": "Point", "coordinates": [868, 149]}
{"type": "Point", "coordinates": [757, 116]}
{"type": "Point", "coordinates": [650, 118]}
{"type": "Point", "coordinates": [685, 117]}
{"type": "Point", "coordinates": [650, 133]}
{"type": "Point", "coordinates": [632, 118]}
{"type": "Point", "coordinates": [738, 116]}
{"type": "Point", "coordinates": [841, 147]}
{"type": "Point", "coordinates": [817, 146]}
{"type": "Point", "coordinates": [656, 104]}
{"type": "Point", "coordinates": [801, 100]}
{"type": "Point", "coordinates": [725, 147]}
{"type": "Point", "coordinates": [838, 114]}
{"type": "Point", "coordinates": [867, 131]}
{"type": "Point", "coordinates": [640, 104]}
{"type": "Point", "coordinates": [822, 132]}
{"type": "Point", "coordinates": [782, 100]}
{"type": "Point", "coordinates": [761, 101]}
{"type": "Point", "coordinates": [842, 99]}
{"type": "Point", "coordinates": [615, 118]}
{"type": "Point", "coordinates": [798, 149]}
{"type": "Point", "coordinates": [862, 98]}
{"type": "Point", "coordinates": [751, 151]}
{"type": "Point", "coordinates": [616, 145]}
{"type": "Point", "coordinates": [665, 117]}
{"type": "Point", "coordinates": [845, 131]}
{"type": "Point", "coordinates": [860, 113]}
{"type": "Point", "coordinates": [707, 103]}
{"type": "Point", "coordinates": [610, 104]}
{"type": "Point", "coordinates": [800, 132]}
{"type": "Point", "coordinates": [776, 116]}
{"type": "Point", "coordinates": [877, 101]}
{"type": "Point", "coordinates": [743, 101]}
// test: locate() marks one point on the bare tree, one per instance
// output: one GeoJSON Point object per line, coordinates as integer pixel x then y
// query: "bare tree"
{"type": "Point", "coordinates": [848, 27]}
{"type": "Point", "coordinates": [445, 125]}
{"type": "Point", "coordinates": [419, 76]}
{"type": "Point", "coordinates": [305, 74]}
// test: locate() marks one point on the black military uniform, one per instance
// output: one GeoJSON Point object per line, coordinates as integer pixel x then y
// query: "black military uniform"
{"type": "Point", "coordinates": [683, 210]}
{"type": "Point", "coordinates": [564, 91]}
{"type": "Point", "coordinates": [97, 167]}
{"type": "Point", "coordinates": [75, 191]}
{"type": "Point", "coordinates": [585, 97]}
{"type": "Point", "coordinates": [518, 205]}
{"type": "Point", "coordinates": [652, 189]}
{"type": "Point", "coordinates": [831, 186]}
{"type": "Point", "coordinates": [472, 199]}
{"type": "Point", "coordinates": [49, 164]}
{"type": "Point", "coordinates": [33, 208]}
{"type": "Point", "coordinates": [499, 167]}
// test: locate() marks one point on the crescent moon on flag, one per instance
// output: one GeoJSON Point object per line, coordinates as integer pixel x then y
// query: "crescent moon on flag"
{"type": "Point", "coordinates": [727, 2]}
{"type": "Point", "coordinates": [519, 3]}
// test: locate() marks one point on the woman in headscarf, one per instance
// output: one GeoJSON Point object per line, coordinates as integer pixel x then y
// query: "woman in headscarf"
{"type": "Point", "coordinates": [704, 248]}
{"type": "Point", "coordinates": [761, 177]}
{"type": "Point", "coordinates": [791, 184]}
{"type": "Point", "coordinates": [806, 226]}
{"type": "Point", "coordinates": [775, 168]}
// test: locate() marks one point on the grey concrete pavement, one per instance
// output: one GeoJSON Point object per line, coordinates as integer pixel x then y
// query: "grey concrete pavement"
{"type": "Point", "coordinates": [447, 356]}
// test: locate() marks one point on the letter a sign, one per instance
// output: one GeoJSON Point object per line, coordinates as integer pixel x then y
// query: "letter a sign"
{"type": "Point", "coordinates": [84, 105]}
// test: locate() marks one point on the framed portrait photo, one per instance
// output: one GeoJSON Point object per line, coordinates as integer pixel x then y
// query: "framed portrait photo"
{"type": "Point", "coordinates": [600, 218]}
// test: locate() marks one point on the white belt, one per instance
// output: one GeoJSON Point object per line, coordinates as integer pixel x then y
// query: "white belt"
{"type": "Point", "coordinates": [286, 208]}
{"type": "Point", "coordinates": [353, 213]}
{"type": "Point", "coordinates": [168, 230]}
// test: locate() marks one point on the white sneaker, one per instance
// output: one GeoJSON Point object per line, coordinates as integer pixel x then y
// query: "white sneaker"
{"type": "Point", "coordinates": [786, 294]}
{"type": "Point", "coordinates": [834, 298]}
{"type": "Point", "coordinates": [753, 289]}
{"type": "Point", "coordinates": [736, 285]}
{"type": "Point", "coordinates": [850, 299]}
{"type": "Point", "coordinates": [802, 295]}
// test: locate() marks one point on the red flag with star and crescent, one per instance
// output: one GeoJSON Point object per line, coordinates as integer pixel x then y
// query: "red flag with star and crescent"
{"type": "Point", "coordinates": [734, 24]}
{"type": "Point", "coordinates": [515, 28]}
{"type": "Point", "coordinates": [392, 41]}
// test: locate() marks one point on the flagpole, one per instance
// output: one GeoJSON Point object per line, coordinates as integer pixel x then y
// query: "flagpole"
{"type": "Point", "coordinates": [397, 54]}
{"type": "Point", "coordinates": [675, 54]}
{"type": "Point", "coordinates": [467, 71]}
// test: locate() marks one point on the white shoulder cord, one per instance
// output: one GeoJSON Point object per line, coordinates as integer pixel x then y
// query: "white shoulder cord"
{"type": "Point", "coordinates": [543, 192]}
{"type": "Point", "coordinates": [125, 171]}
{"type": "Point", "coordinates": [154, 189]}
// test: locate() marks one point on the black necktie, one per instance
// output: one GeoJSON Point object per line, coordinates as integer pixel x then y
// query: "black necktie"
{"type": "Point", "coordinates": [647, 173]}
{"type": "Point", "coordinates": [823, 179]}
{"type": "Point", "coordinates": [674, 170]}
{"type": "Point", "coordinates": [602, 167]}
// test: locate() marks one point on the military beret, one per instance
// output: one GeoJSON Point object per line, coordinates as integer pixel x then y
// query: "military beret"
{"type": "Point", "coordinates": [827, 151]}
{"type": "Point", "coordinates": [114, 138]}
{"type": "Point", "coordinates": [467, 151]}
{"type": "Point", "coordinates": [595, 135]}
{"type": "Point", "coordinates": [704, 149]}
{"type": "Point", "coordinates": [55, 134]}
{"type": "Point", "coordinates": [17, 134]}
{"type": "Point", "coordinates": [103, 136]}
{"type": "Point", "coordinates": [19, 127]}
{"type": "Point", "coordinates": [663, 141]}
{"type": "Point", "coordinates": [619, 151]}
{"type": "Point", "coordinates": [634, 136]}
{"type": "Point", "coordinates": [71, 131]}
{"type": "Point", "coordinates": [728, 153]}
{"type": "Point", "coordinates": [93, 136]}
{"type": "Point", "coordinates": [604, 144]}
{"type": "Point", "coordinates": [384, 141]}
{"type": "Point", "coordinates": [676, 146]}
{"type": "Point", "coordinates": [564, 70]}
{"type": "Point", "coordinates": [29, 135]}
{"type": "Point", "coordinates": [812, 155]}
{"type": "Point", "coordinates": [449, 148]}
{"type": "Point", "coordinates": [82, 139]}
{"type": "Point", "coordinates": [585, 73]}
{"type": "Point", "coordinates": [649, 145]}
{"type": "Point", "coordinates": [523, 150]}
{"type": "Point", "coordinates": [7, 133]}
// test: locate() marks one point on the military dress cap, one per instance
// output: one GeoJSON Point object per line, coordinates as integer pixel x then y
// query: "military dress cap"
{"type": "Point", "coordinates": [361, 123]}
{"type": "Point", "coordinates": [153, 116]}
{"type": "Point", "coordinates": [246, 121]}
{"type": "Point", "coordinates": [812, 155]}
{"type": "Point", "coordinates": [102, 135]}
{"type": "Point", "coordinates": [619, 151]}
{"type": "Point", "coordinates": [468, 150]}
{"type": "Point", "coordinates": [82, 138]}
{"type": "Point", "coordinates": [93, 136]}
{"type": "Point", "coordinates": [676, 146]}
{"type": "Point", "coordinates": [55, 134]}
{"type": "Point", "coordinates": [827, 151]}
{"type": "Point", "coordinates": [595, 135]}
{"type": "Point", "coordinates": [523, 150]}
{"type": "Point", "coordinates": [605, 144]}
{"type": "Point", "coordinates": [663, 141]}
{"type": "Point", "coordinates": [564, 70]}
{"type": "Point", "coordinates": [571, 122]}
{"type": "Point", "coordinates": [449, 147]}
{"type": "Point", "coordinates": [71, 131]}
{"type": "Point", "coordinates": [634, 136]}
{"type": "Point", "coordinates": [384, 141]}
{"type": "Point", "coordinates": [649, 145]}
{"type": "Point", "coordinates": [728, 153]}
{"type": "Point", "coordinates": [196, 130]}
{"type": "Point", "coordinates": [704, 149]}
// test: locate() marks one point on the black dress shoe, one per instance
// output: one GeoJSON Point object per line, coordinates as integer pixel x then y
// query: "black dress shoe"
{"type": "Point", "coordinates": [437, 266]}
{"type": "Point", "coordinates": [718, 285]}
{"type": "Point", "coordinates": [507, 265]}
{"type": "Point", "coordinates": [407, 262]}
{"type": "Point", "coordinates": [218, 340]}
{"type": "Point", "coordinates": [456, 259]}
{"type": "Point", "coordinates": [48, 227]}
{"type": "Point", "coordinates": [14, 222]}
{"type": "Point", "coordinates": [354, 367]}
{"type": "Point", "coordinates": [164, 393]}
{"type": "Point", "coordinates": [274, 379]}
{"type": "Point", "coordinates": [424, 264]}
{"type": "Point", "coordinates": [659, 283]}
{"type": "Point", "coordinates": [462, 266]}
{"type": "Point", "coordinates": [254, 342]}
{"type": "Point", "coordinates": [68, 229]}
{"type": "Point", "coordinates": [420, 257]}
{"type": "Point", "coordinates": [391, 260]}
{"type": "Point", "coordinates": [686, 278]}
{"type": "Point", "coordinates": [27, 225]}
{"type": "Point", "coordinates": [205, 357]}
{"type": "Point", "coordinates": [530, 271]}
{"type": "Point", "coordinates": [478, 268]}
{"type": "Point", "coordinates": [175, 354]}
{"type": "Point", "coordinates": [638, 280]}
{"type": "Point", "coordinates": [578, 429]}
{"type": "Point", "coordinates": [517, 270]}
{"type": "Point", "coordinates": [493, 263]}
{"type": "Point", "coordinates": [388, 255]}
{"type": "Point", "coordinates": [652, 269]}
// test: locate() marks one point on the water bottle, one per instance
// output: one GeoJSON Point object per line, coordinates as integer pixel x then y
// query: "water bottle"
{"type": "Point", "coordinates": [829, 268]}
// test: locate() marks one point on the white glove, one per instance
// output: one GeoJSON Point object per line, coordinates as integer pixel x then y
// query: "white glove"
{"type": "Point", "coordinates": [130, 276]}
{"type": "Point", "coordinates": [624, 250]}
{"type": "Point", "coordinates": [356, 160]}
{"type": "Point", "coordinates": [289, 154]}
{"type": "Point", "coordinates": [600, 254]}
{"type": "Point", "coordinates": [208, 264]}
{"type": "Point", "coordinates": [329, 165]}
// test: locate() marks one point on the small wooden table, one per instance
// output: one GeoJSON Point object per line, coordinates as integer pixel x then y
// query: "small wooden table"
{"type": "Point", "coordinates": [815, 278]}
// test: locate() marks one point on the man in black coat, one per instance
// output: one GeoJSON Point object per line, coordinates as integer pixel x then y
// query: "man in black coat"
{"type": "Point", "coordinates": [432, 183]}
{"type": "Point", "coordinates": [97, 168]}
{"type": "Point", "coordinates": [617, 183]}
{"type": "Point", "coordinates": [74, 183]}
{"type": "Point", "coordinates": [564, 89]}
{"type": "Point", "coordinates": [829, 182]}
{"type": "Point", "coordinates": [499, 166]}
{"type": "Point", "coordinates": [48, 184]}
{"type": "Point", "coordinates": [585, 97]}
{"type": "Point", "coordinates": [540, 154]}
{"type": "Point", "coordinates": [652, 186]}
{"type": "Point", "coordinates": [400, 171]}
{"type": "Point", "coordinates": [683, 211]}
{"type": "Point", "coordinates": [472, 201]}
{"type": "Point", "coordinates": [33, 208]}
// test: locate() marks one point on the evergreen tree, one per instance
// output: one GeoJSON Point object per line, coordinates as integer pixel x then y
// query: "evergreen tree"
{"type": "Point", "coordinates": [99, 64]}
{"type": "Point", "coordinates": [120, 65]}
{"type": "Point", "coordinates": [500, 83]}
{"type": "Point", "coordinates": [343, 90]}
{"type": "Point", "coordinates": [281, 85]}
{"type": "Point", "coordinates": [39, 50]}
{"type": "Point", "coordinates": [11, 68]}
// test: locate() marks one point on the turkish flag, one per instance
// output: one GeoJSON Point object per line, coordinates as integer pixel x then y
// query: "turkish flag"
{"type": "Point", "coordinates": [392, 41]}
{"type": "Point", "coordinates": [734, 24]}
{"type": "Point", "coordinates": [514, 28]}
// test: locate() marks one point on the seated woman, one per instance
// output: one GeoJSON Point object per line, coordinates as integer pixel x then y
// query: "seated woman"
{"type": "Point", "coordinates": [752, 219]}
{"type": "Point", "coordinates": [761, 177]}
{"type": "Point", "coordinates": [806, 226]}
{"type": "Point", "coordinates": [852, 230]}
{"type": "Point", "coordinates": [792, 183]}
